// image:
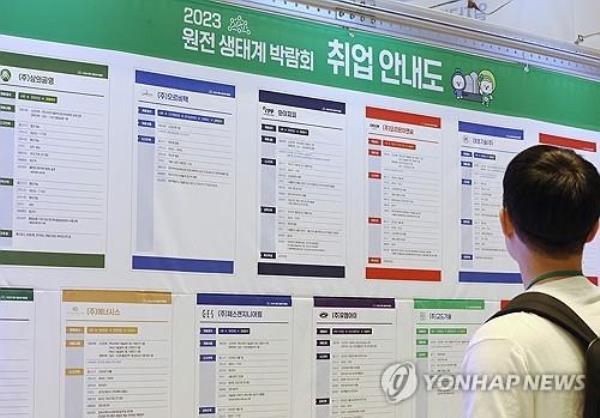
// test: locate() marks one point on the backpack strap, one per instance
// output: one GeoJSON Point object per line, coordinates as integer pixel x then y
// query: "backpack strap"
{"type": "Point", "coordinates": [557, 312]}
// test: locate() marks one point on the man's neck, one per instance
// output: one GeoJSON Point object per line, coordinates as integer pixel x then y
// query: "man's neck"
{"type": "Point", "coordinates": [536, 265]}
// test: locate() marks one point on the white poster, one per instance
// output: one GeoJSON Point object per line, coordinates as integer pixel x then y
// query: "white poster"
{"type": "Point", "coordinates": [116, 354]}
{"type": "Point", "coordinates": [244, 356]}
{"type": "Point", "coordinates": [17, 352]}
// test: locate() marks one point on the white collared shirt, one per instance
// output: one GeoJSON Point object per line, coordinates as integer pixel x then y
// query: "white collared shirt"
{"type": "Point", "coordinates": [523, 343]}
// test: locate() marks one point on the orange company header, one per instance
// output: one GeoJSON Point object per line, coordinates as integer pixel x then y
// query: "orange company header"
{"type": "Point", "coordinates": [117, 296]}
{"type": "Point", "coordinates": [575, 144]}
{"type": "Point", "coordinates": [404, 117]}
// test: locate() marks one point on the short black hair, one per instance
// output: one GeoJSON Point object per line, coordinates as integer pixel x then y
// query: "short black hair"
{"type": "Point", "coordinates": [552, 196]}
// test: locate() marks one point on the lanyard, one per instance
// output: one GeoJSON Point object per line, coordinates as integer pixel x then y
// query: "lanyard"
{"type": "Point", "coordinates": [555, 274]}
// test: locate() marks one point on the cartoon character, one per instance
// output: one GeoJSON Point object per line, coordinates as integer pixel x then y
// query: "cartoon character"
{"type": "Point", "coordinates": [458, 83]}
{"type": "Point", "coordinates": [474, 87]}
{"type": "Point", "coordinates": [487, 86]}
{"type": "Point", "coordinates": [466, 86]}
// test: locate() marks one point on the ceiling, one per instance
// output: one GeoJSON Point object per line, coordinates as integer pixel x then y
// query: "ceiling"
{"type": "Point", "coordinates": [562, 20]}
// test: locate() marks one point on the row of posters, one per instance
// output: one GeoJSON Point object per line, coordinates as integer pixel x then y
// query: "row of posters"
{"type": "Point", "coordinates": [54, 125]}
{"type": "Point", "coordinates": [117, 352]}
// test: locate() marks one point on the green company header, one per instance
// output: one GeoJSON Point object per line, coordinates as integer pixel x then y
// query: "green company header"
{"type": "Point", "coordinates": [16, 295]}
{"type": "Point", "coordinates": [213, 34]}
{"type": "Point", "coordinates": [52, 65]}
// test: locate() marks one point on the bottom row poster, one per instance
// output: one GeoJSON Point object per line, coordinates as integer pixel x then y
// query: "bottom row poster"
{"type": "Point", "coordinates": [118, 349]}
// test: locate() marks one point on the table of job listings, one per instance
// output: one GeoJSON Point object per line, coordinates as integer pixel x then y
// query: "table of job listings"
{"type": "Point", "coordinates": [117, 353]}
{"type": "Point", "coordinates": [117, 347]}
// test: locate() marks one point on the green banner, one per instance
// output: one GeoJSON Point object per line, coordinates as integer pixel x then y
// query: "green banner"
{"type": "Point", "coordinates": [15, 295]}
{"type": "Point", "coordinates": [459, 304]}
{"type": "Point", "coordinates": [30, 258]}
{"type": "Point", "coordinates": [218, 35]}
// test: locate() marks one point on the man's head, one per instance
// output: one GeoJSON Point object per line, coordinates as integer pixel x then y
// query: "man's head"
{"type": "Point", "coordinates": [551, 202]}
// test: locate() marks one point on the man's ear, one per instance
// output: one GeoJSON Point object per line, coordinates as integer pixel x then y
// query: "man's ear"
{"type": "Point", "coordinates": [508, 228]}
{"type": "Point", "coordinates": [593, 233]}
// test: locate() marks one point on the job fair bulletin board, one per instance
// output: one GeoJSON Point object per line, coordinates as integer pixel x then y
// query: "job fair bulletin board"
{"type": "Point", "coordinates": [212, 211]}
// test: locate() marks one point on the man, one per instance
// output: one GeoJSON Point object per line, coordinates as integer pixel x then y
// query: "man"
{"type": "Point", "coordinates": [551, 210]}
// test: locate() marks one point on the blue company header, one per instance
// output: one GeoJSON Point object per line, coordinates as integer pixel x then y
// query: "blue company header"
{"type": "Point", "coordinates": [381, 303]}
{"type": "Point", "coordinates": [184, 84]}
{"type": "Point", "coordinates": [506, 133]}
{"type": "Point", "coordinates": [139, 262]}
{"type": "Point", "coordinates": [242, 300]}
{"type": "Point", "coordinates": [301, 102]}
{"type": "Point", "coordinates": [487, 277]}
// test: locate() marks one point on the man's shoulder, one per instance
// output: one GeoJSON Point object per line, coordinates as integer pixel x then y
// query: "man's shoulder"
{"type": "Point", "coordinates": [530, 330]}
{"type": "Point", "coordinates": [520, 327]}
{"type": "Point", "coordinates": [525, 342]}
{"type": "Point", "coordinates": [497, 347]}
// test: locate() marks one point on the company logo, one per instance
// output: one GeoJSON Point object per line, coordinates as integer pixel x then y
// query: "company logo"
{"type": "Point", "coordinates": [323, 315]}
{"type": "Point", "coordinates": [399, 382]}
{"type": "Point", "coordinates": [76, 311]}
{"type": "Point", "coordinates": [268, 111]}
{"type": "Point", "coordinates": [239, 25]}
{"type": "Point", "coordinates": [147, 93]}
{"type": "Point", "coordinates": [474, 87]}
{"type": "Point", "coordinates": [5, 75]}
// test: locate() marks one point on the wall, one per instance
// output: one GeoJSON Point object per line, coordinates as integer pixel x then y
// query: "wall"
{"type": "Point", "coordinates": [210, 210]}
